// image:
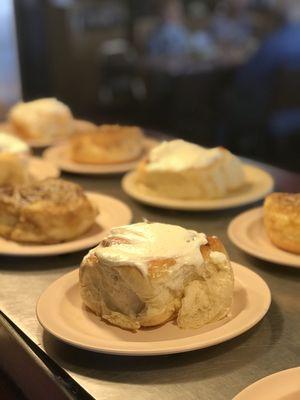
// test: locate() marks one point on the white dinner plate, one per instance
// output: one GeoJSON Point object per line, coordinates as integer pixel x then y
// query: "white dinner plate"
{"type": "Point", "coordinates": [259, 184]}
{"type": "Point", "coordinates": [60, 156]}
{"type": "Point", "coordinates": [247, 232]}
{"type": "Point", "coordinates": [284, 385]}
{"type": "Point", "coordinates": [41, 169]}
{"type": "Point", "coordinates": [61, 312]}
{"type": "Point", "coordinates": [112, 212]}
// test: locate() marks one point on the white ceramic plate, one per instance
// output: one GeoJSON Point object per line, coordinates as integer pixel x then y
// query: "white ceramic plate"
{"type": "Point", "coordinates": [284, 385]}
{"type": "Point", "coordinates": [247, 232]}
{"type": "Point", "coordinates": [259, 184]}
{"type": "Point", "coordinates": [112, 212]}
{"type": "Point", "coordinates": [61, 312]}
{"type": "Point", "coordinates": [59, 155]}
{"type": "Point", "coordinates": [41, 169]}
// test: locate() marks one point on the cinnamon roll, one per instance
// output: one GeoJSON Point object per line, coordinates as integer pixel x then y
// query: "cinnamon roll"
{"type": "Point", "coordinates": [13, 160]}
{"type": "Point", "coordinates": [282, 220]}
{"type": "Point", "coordinates": [45, 118]}
{"type": "Point", "coordinates": [108, 144]}
{"type": "Point", "coordinates": [182, 170]}
{"type": "Point", "coordinates": [146, 274]}
{"type": "Point", "coordinates": [48, 211]}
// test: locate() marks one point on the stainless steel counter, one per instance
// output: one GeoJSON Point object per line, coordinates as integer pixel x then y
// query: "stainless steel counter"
{"type": "Point", "coordinates": [216, 373]}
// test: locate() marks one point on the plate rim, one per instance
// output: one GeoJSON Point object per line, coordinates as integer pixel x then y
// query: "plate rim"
{"type": "Point", "coordinates": [239, 220]}
{"type": "Point", "coordinates": [150, 352]}
{"type": "Point", "coordinates": [248, 389]}
{"type": "Point", "coordinates": [47, 154]}
{"type": "Point", "coordinates": [48, 253]}
{"type": "Point", "coordinates": [194, 205]}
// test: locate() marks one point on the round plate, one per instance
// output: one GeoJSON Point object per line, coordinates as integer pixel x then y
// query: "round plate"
{"type": "Point", "coordinates": [59, 155]}
{"type": "Point", "coordinates": [247, 232]}
{"type": "Point", "coordinates": [284, 385]}
{"type": "Point", "coordinates": [112, 212]}
{"type": "Point", "coordinates": [61, 312]}
{"type": "Point", "coordinates": [41, 169]}
{"type": "Point", "coordinates": [259, 184]}
{"type": "Point", "coordinates": [41, 143]}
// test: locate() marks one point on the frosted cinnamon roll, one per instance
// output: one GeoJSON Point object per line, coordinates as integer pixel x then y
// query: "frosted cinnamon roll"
{"type": "Point", "coordinates": [182, 170]}
{"type": "Point", "coordinates": [13, 160]}
{"type": "Point", "coordinates": [108, 144]}
{"type": "Point", "coordinates": [146, 274]}
{"type": "Point", "coordinates": [48, 211]}
{"type": "Point", "coordinates": [45, 118]}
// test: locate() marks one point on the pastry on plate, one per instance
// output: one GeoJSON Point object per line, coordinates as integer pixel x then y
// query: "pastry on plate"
{"type": "Point", "coordinates": [81, 126]}
{"type": "Point", "coordinates": [146, 274]}
{"type": "Point", "coordinates": [45, 118]}
{"type": "Point", "coordinates": [183, 170]}
{"type": "Point", "coordinates": [48, 211]}
{"type": "Point", "coordinates": [13, 160]}
{"type": "Point", "coordinates": [282, 220]}
{"type": "Point", "coordinates": [108, 144]}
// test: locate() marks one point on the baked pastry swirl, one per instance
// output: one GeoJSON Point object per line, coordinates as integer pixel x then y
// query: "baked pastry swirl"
{"type": "Point", "coordinates": [182, 170]}
{"type": "Point", "coordinates": [107, 144]}
{"type": "Point", "coordinates": [282, 220]}
{"type": "Point", "coordinates": [145, 274]}
{"type": "Point", "coordinates": [48, 211]}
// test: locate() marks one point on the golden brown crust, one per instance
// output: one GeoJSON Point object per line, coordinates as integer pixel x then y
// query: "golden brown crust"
{"type": "Point", "coordinates": [7, 127]}
{"type": "Point", "coordinates": [282, 220]}
{"type": "Point", "coordinates": [213, 244]}
{"type": "Point", "coordinates": [82, 126]}
{"type": "Point", "coordinates": [107, 144]}
{"type": "Point", "coordinates": [48, 211]}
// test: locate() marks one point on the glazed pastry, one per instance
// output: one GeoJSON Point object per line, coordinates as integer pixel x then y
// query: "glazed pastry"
{"type": "Point", "coordinates": [282, 220]}
{"type": "Point", "coordinates": [80, 126]}
{"type": "Point", "coordinates": [182, 170]}
{"type": "Point", "coordinates": [107, 144]}
{"type": "Point", "coordinates": [48, 211]}
{"type": "Point", "coordinates": [45, 118]}
{"type": "Point", "coordinates": [146, 274]}
{"type": "Point", "coordinates": [13, 160]}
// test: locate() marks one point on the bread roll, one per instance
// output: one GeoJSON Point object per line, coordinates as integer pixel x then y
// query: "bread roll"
{"type": "Point", "coordinates": [145, 274]}
{"type": "Point", "coordinates": [107, 144]}
{"type": "Point", "coordinates": [282, 220]}
{"type": "Point", "coordinates": [48, 211]}
{"type": "Point", "coordinates": [182, 170]}
{"type": "Point", "coordinates": [41, 119]}
{"type": "Point", "coordinates": [13, 160]}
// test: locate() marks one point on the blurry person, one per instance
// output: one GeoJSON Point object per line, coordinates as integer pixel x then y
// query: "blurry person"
{"type": "Point", "coordinates": [252, 117]}
{"type": "Point", "coordinates": [280, 49]}
{"type": "Point", "coordinates": [231, 23]}
{"type": "Point", "coordinates": [170, 37]}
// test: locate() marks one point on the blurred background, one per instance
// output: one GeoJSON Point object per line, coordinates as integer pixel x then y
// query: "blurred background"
{"type": "Point", "coordinates": [214, 72]}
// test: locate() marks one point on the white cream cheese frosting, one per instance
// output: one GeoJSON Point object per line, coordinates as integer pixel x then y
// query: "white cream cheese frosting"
{"type": "Point", "coordinates": [217, 257]}
{"type": "Point", "coordinates": [143, 242]}
{"type": "Point", "coordinates": [12, 144]}
{"type": "Point", "coordinates": [179, 155]}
